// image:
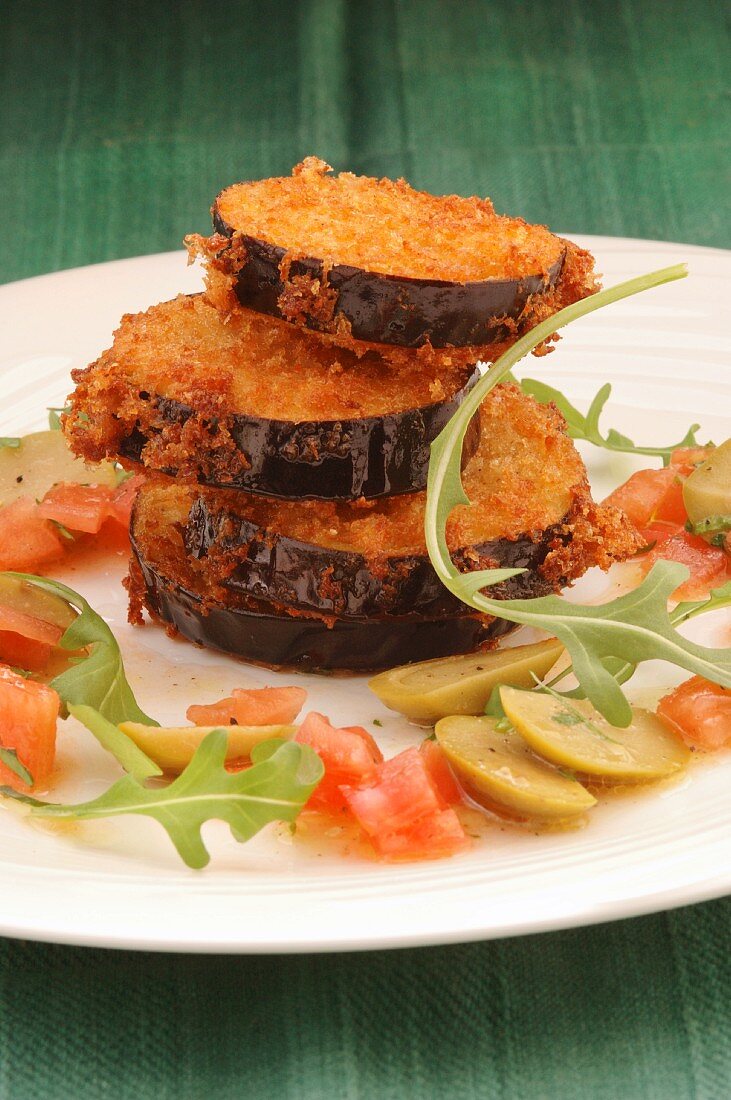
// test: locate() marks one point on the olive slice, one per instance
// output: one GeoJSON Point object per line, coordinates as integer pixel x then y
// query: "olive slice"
{"type": "Point", "coordinates": [42, 460]}
{"type": "Point", "coordinates": [28, 599]}
{"type": "Point", "coordinates": [707, 492]}
{"type": "Point", "coordinates": [430, 690]}
{"type": "Point", "coordinates": [173, 747]}
{"type": "Point", "coordinates": [573, 734]}
{"type": "Point", "coordinates": [498, 770]}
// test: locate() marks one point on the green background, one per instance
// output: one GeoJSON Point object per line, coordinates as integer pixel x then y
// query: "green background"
{"type": "Point", "coordinates": [119, 122]}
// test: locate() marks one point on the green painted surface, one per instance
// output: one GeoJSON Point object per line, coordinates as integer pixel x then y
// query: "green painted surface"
{"type": "Point", "coordinates": [119, 122]}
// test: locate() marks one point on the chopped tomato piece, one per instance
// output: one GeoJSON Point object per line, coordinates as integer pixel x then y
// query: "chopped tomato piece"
{"type": "Point", "coordinates": [27, 540]}
{"type": "Point", "coordinates": [28, 715]}
{"type": "Point", "coordinates": [78, 507]}
{"type": "Point", "coordinates": [120, 508]}
{"type": "Point", "coordinates": [685, 459]}
{"type": "Point", "coordinates": [436, 835]}
{"type": "Point", "coordinates": [349, 753]}
{"type": "Point", "coordinates": [650, 495]}
{"type": "Point", "coordinates": [440, 772]}
{"type": "Point", "coordinates": [26, 641]}
{"type": "Point", "coordinates": [707, 564]}
{"type": "Point", "coordinates": [23, 652]}
{"type": "Point", "coordinates": [700, 711]}
{"type": "Point", "coordinates": [257, 707]}
{"type": "Point", "coordinates": [655, 534]}
{"type": "Point", "coordinates": [402, 811]}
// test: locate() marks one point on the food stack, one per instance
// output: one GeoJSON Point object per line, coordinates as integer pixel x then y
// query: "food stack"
{"type": "Point", "coordinates": [284, 417]}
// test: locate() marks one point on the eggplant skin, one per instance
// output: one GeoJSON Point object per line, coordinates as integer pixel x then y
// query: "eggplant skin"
{"type": "Point", "coordinates": [255, 632]}
{"type": "Point", "coordinates": [367, 457]}
{"type": "Point", "coordinates": [378, 308]}
{"type": "Point", "coordinates": [274, 567]}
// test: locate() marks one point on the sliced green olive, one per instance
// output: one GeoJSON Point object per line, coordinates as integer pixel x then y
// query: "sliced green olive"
{"type": "Point", "coordinates": [430, 690]}
{"type": "Point", "coordinates": [173, 747]}
{"type": "Point", "coordinates": [498, 770]}
{"type": "Point", "coordinates": [28, 599]}
{"type": "Point", "coordinates": [573, 734]}
{"type": "Point", "coordinates": [707, 492]}
{"type": "Point", "coordinates": [42, 460]}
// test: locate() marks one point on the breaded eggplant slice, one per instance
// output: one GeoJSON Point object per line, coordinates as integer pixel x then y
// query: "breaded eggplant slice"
{"type": "Point", "coordinates": [256, 404]}
{"type": "Point", "coordinates": [163, 582]}
{"type": "Point", "coordinates": [530, 509]}
{"type": "Point", "coordinates": [374, 260]}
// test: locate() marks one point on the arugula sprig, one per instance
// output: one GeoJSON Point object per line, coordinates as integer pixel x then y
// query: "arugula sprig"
{"type": "Point", "coordinates": [10, 759]}
{"type": "Point", "coordinates": [282, 778]}
{"type": "Point", "coordinates": [633, 628]}
{"type": "Point", "coordinates": [586, 427]}
{"type": "Point", "coordinates": [97, 680]}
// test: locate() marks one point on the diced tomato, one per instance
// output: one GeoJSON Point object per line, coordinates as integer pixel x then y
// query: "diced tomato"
{"type": "Point", "coordinates": [87, 507]}
{"type": "Point", "coordinates": [686, 459]}
{"type": "Point", "coordinates": [700, 711]}
{"type": "Point", "coordinates": [708, 564]}
{"type": "Point", "coordinates": [440, 772]}
{"type": "Point", "coordinates": [349, 753]}
{"type": "Point", "coordinates": [650, 495]}
{"type": "Point", "coordinates": [23, 652]}
{"type": "Point", "coordinates": [27, 540]}
{"type": "Point", "coordinates": [257, 707]}
{"type": "Point", "coordinates": [434, 836]}
{"type": "Point", "coordinates": [124, 496]}
{"type": "Point", "coordinates": [402, 811]}
{"type": "Point", "coordinates": [28, 715]}
{"type": "Point", "coordinates": [78, 507]}
{"type": "Point", "coordinates": [655, 534]}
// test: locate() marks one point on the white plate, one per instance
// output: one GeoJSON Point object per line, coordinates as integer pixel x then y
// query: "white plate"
{"type": "Point", "coordinates": [119, 883]}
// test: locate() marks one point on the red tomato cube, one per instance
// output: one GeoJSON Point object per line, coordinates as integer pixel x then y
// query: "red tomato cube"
{"type": "Point", "coordinates": [650, 495]}
{"type": "Point", "coordinates": [700, 711]}
{"type": "Point", "coordinates": [254, 707]}
{"type": "Point", "coordinates": [28, 715]}
{"type": "Point", "coordinates": [708, 564]}
{"type": "Point", "coordinates": [350, 755]}
{"type": "Point", "coordinates": [27, 540]}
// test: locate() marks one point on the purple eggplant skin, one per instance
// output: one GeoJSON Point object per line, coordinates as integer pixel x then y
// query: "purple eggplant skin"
{"type": "Point", "coordinates": [284, 570]}
{"type": "Point", "coordinates": [253, 631]}
{"type": "Point", "coordinates": [385, 309]}
{"type": "Point", "coordinates": [368, 457]}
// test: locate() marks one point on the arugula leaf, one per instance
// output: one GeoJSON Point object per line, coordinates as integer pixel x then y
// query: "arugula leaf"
{"type": "Point", "coordinates": [98, 680]}
{"type": "Point", "coordinates": [718, 598]}
{"type": "Point", "coordinates": [11, 441]}
{"type": "Point", "coordinates": [283, 776]}
{"type": "Point", "coordinates": [54, 417]}
{"type": "Point", "coordinates": [633, 628]}
{"type": "Point", "coordinates": [9, 758]}
{"type": "Point", "coordinates": [587, 427]}
{"type": "Point", "coordinates": [134, 761]}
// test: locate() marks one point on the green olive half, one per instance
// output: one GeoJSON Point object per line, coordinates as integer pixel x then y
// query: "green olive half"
{"type": "Point", "coordinates": [173, 748]}
{"type": "Point", "coordinates": [707, 492]}
{"type": "Point", "coordinates": [497, 769]}
{"type": "Point", "coordinates": [429, 690]}
{"type": "Point", "coordinates": [42, 460]}
{"type": "Point", "coordinates": [573, 734]}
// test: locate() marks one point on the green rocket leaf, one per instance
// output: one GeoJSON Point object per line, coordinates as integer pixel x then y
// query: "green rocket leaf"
{"type": "Point", "coordinates": [98, 680]}
{"type": "Point", "coordinates": [9, 758]}
{"type": "Point", "coordinates": [586, 427]}
{"type": "Point", "coordinates": [631, 629]}
{"type": "Point", "coordinates": [123, 749]}
{"type": "Point", "coordinates": [282, 778]}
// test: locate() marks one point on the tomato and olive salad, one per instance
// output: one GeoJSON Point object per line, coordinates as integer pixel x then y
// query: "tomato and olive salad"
{"type": "Point", "coordinates": [535, 759]}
